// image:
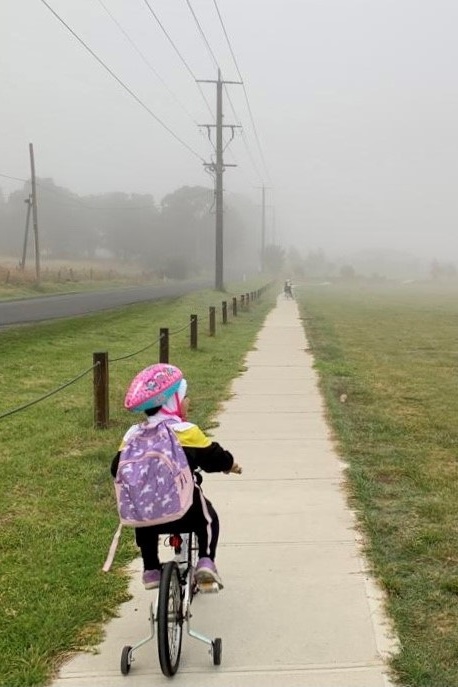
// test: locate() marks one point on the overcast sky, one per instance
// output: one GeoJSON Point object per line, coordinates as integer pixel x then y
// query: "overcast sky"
{"type": "Point", "coordinates": [355, 105]}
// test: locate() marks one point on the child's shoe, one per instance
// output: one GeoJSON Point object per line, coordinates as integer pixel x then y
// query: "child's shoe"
{"type": "Point", "coordinates": [206, 573]}
{"type": "Point", "coordinates": [151, 579]}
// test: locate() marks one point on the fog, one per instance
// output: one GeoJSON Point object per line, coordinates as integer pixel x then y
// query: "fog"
{"type": "Point", "coordinates": [354, 102]}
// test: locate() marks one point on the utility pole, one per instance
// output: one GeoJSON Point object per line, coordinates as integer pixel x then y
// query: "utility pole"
{"type": "Point", "coordinates": [26, 233]}
{"type": "Point", "coordinates": [35, 213]}
{"type": "Point", "coordinates": [263, 226]}
{"type": "Point", "coordinates": [218, 168]}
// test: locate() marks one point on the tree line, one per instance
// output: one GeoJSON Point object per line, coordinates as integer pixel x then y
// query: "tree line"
{"type": "Point", "coordinates": [174, 237]}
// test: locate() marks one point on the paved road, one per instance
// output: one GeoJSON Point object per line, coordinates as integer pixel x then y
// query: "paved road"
{"type": "Point", "coordinates": [41, 308]}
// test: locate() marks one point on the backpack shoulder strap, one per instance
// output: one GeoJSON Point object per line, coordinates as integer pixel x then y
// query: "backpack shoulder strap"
{"type": "Point", "coordinates": [112, 551]}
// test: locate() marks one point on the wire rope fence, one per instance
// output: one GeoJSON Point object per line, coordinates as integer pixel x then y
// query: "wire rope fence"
{"type": "Point", "coordinates": [101, 361]}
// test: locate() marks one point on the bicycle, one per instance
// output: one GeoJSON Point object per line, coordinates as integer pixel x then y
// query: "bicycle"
{"type": "Point", "coordinates": [172, 607]}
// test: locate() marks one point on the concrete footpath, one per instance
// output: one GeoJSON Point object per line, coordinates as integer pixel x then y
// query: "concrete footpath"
{"type": "Point", "coordinates": [298, 608]}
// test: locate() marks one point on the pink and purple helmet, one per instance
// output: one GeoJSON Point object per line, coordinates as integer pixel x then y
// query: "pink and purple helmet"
{"type": "Point", "coordinates": [152, 387]}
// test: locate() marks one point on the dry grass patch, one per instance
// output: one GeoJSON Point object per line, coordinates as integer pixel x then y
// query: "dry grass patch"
{"type": "Point", "coordinates": [65, 275]}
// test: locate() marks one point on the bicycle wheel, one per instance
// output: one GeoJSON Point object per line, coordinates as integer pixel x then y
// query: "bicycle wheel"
{"type": "Point", "coordinates": [169, 619]}
{"type": "Point", "coordinates": [126, 659]}
{"type": "Point", "coordinates": [217, 650]}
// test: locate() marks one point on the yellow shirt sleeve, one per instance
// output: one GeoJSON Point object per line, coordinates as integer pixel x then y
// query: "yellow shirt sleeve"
{"type": "Point", "coordinates": [193, 437]}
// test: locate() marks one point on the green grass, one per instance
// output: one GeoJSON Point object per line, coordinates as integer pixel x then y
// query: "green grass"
{"type": "Point", "coordinates": [57, 509]}
{"type": "Point", "coordinates": [394, 354]}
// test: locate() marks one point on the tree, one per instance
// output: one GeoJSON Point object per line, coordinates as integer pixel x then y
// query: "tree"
{"type": "Point", "coordinates": [187, 227]}
{"type": "Point", "coordinates": [347, 272]}
{"type": "Point", "coordinates": [66, 229]}
{"type": "Point", "coordinates": [274, 259]}
{"type": "Point", "coordinates": [242, 236]}
{"type": "Point", "coordinates": [128, 225]}
{"type": "Point", "coordinates": [4, 228]}
{"type": "Point", "coordinates": [442, 270]}
{"type": "Point", "coordinates": [317, 265]}
{"type": "Point", "coordinates": [295, 262]}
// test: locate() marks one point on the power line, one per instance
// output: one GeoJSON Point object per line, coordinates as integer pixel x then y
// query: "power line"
{"type": "Point", "coordinates": [244, 89]}
{"type": "Point", "coordinates": [188, 68]}
{"type": "Point", "coordinates": [169, 38]}
{"type": "Point", "coordinates": [121, 83]}
{"type": "Point", "coordinates": [8, 176]}
{"type": "Point", "coordinates": [204, 37]}
{"type": "Point", "coordinates": [146, 61]}
{"type": "Point", "coordinates": [212, 54]}
{"type": "Point", "coordinates": [227, 38]}
{"type": "Point", "coordinates": [245, 142]}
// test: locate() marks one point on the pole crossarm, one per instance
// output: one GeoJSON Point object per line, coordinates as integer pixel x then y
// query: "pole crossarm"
{"type": "Point", "coordinates": [212, 165]}
{"type": "Point", "coordinates": [240, 83]}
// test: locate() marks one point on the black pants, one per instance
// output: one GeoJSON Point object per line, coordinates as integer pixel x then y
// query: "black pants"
{"type": "Point", "coordinates": [201, 518]}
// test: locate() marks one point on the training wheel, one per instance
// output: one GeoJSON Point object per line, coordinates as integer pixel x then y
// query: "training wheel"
{"type": "Point", "coordinates": [126, 660]}
{"type": "Point", "coordinates": [217, 647]}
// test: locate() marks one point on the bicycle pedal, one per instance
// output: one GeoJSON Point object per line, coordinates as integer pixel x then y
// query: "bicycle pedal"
{"type": "Point", "coordinates": [208, 587]}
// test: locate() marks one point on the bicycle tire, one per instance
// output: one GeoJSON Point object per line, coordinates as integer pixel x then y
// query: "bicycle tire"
{"type": "Point", "coordinates": [170, 619]}
{"type": "Point", "coordinates": [217, 650]}
{"type": "Point", "coordinates": [126, 660]}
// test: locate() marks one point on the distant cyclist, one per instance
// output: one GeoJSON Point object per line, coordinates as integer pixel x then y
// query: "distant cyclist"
{"type": "Point", "coordinates": [288, 289]}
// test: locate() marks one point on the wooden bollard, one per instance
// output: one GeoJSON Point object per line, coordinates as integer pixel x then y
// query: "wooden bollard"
{"type": "Point", "coordinates": [100, 382]}
{"type": "Point", "coordinates": [247, 301]}
{"type": "Point", "coordinates": [193, 334]}
{"type": "Point", "coordinates": [234, 306]}
{"type": "Point", "coordinates": [224, 311]}
{"type": "Point", "coordinates": [164, 345]}
{"type": "Point", "coordinates": [212, 313]}
{"type": "Point", "coordinates": [242, 301]}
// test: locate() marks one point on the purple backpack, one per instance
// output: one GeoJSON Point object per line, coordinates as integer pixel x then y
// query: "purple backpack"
{"type": "Point", "coordinates": [154, 484]}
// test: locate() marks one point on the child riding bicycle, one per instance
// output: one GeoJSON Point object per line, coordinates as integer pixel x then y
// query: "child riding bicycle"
{"type": "Point", "coordinates": [160, 391]}
{"type": "Point", "coordinates": [288, 289]}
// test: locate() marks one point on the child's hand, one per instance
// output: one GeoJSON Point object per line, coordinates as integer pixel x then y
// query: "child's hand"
{"type": "Point", "coordinates": [236, 469]}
